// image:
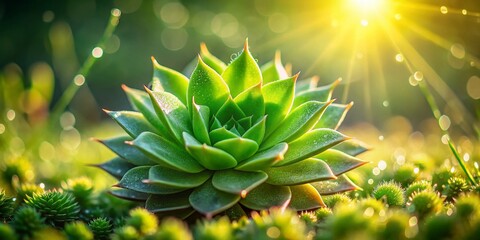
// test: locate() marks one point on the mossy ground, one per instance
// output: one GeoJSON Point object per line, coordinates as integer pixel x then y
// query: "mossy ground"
{"type": "Point", "coordinates": [433, 200]}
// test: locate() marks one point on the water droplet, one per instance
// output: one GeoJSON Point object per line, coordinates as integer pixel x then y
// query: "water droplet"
{"type": "Point", "coordinates": [412, 221]}
{"type": "Point", "coordinates": [116, 12]}
{"type": "Point", "coordinates": [458, 50]}
{"type": "Point", "coordinates": [473, 87]}
{"type": "Point", "coordinates": [42, 185]}
{"type": "Point", "coordinates": [370, 181]}
{"type": "Point", "coordinates": [11, 115]}
{"type": "Point", "coordinates": [273, 232]}
{"type": "Point", "coordinates": [381, 138]}
{"type": "Point", "coordinates": [369, 212]}
{"type": "Point", "coordinates": [48, 16]}
{"type": "Point", "coordinates": [399, 57]}
{"type": "Point", "coordinates": [475, 164]}
{"type": "Point", "coordinates": [444, 122]}
{"type": "Point", "coordinates": [466, 157]}
{"type": "Point", "coordinates": [97, 52]}
{"type": "Point", "coordinates": [443, 10]}
{"type": "Point", "coordinates": [67, 120]}
{"type": "Point", "coordinates": [416, 170]}
{"type": "Point", "coordinates": [376, 171]}
{"type": "Point", "coordinates": [2, 128]}
{"type": "Point", "coordinates": [79, 80]}
{"type": "Point", "coordinates": [445, 139]}
{"type": "Point", "coordinates": [418, 76]}
{"type": "Point", "coordinates": [464, 11]}
{"type": "Point", "coordinates": [385, 103]}
{"type": "Point", "coordinates": [382, 165]}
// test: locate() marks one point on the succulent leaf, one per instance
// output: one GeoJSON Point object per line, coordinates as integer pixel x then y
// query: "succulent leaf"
{"type": "Point", "coordinates": [129, 194]}
{"type": "Point", "coordinates": [166, 153]}
{"type": "Point", "coordinates": [264, 159]}
{"type": "Point", "coordinates": [210, 201]}
{"type": "Point", "coordinates": [128, 152]}
{"type": "Point", "coordinates": [210, 157]}
{"type": "Point", "coordinates": [133, 123]}
{"type": "Point", "coordinates": [229, 110]}
{"type": "Point", "coordinates": [334, 115]}
{"type": "Point", "coordinates": [278, 97]}
{"type": "Point", "coordinates": [134, 180]}
{"type": "Point", "coordinates": [242, 73]}
{"type": "Point", "coordinates": [311, 144]}
{"type": "Point", "coordinates": [237, 182]}
{"type": "Point", "coordinates": [297, 123]}
{"type": "Point", "coordinates": [141, 102]}
{"type": "Point", "coordinates": [251, 102]}
{"type": "Point", "coordinates": [305, 171]}
{"type": "Point", "coordinates": [207, 87]}
{"type": "Point", "coordinates": [265, 196]}
{"type": "Point", "coordinates": [162, 203]}
{"type": "Point", "coordinates": [339, 185]}
{"type": "Point", "coordinates": [159, 175]}
{"type": "Point", "coordinates": [200, 120]}
{"type": "Point", "coordinates": [166, 79]}
{"type": "Point", "coordinates": [320, 94]}
{"type": "Point", "coordinates": [239, 148]}
{"type": "Point", "coordinates": [220, 134]}
{"type": "Point", "coordinates": [117, 167]}
{"type": "Point", "coordinates": [305, 197]}
{"type": "Point", "coordinates": [274, 70]}
{"type": "Point", "coordinates": [171, 112]}
{"type": "Point", "coordinates": [212, 61]}
{"type": "Point", "coordinates": [339, 162]}
{"type": "Point", "coordinates": [257, 131]}
{"type": "Point", "coordinates": [352, 147]}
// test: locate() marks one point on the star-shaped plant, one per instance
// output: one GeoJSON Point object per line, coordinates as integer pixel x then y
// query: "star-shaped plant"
{"type": "Point", "coordinates": [229, 136]}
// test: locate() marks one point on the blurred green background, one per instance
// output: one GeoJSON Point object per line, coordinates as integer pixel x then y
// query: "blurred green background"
{"type": "Point", "coordinates": [381, 50]}
{"type": "Point", "coordinates": [63, 33]}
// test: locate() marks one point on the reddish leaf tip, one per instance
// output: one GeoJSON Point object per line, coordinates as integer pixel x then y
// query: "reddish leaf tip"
{"type": "Point", "coordinates": [203, 48]}
{"type": "Point", "coordinates": [129, 143]}
{"type": "Point", "coordinates": [245, 46]}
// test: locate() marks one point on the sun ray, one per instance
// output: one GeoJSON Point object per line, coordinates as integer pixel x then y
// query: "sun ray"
{"type": "Point", "coordinates": [414, 60]}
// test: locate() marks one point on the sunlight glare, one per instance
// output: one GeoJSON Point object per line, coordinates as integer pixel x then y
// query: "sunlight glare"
{"type": "Point", "coordinates": [368, 5]}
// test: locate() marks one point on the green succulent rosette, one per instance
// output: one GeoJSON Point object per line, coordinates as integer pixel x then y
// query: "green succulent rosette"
{"type": "Point", "coordinates": [234, 136]}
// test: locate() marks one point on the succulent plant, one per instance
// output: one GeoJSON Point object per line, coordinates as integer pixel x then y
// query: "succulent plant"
{"type": "Point", "coordinates": [418, 186]}
{"type": "Point", "coordinates": [101, 228]}
{"type": "Point", "coordinates": [56, 207]}
{"type": "Point", "coordinates": [27, 221]}
{"type": "Point", "coordinates": [424, 203]}
{"type": "Point", "coordinates": [6, 206]}
{"type": "Point", "coordinates": [236, 134]}
{"type": "Point", "coordinates": [390, 192]}
{"type": "Point", "coordinates": [78, 231]}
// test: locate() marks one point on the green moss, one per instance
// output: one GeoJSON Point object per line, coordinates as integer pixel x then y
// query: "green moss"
{"type": "Point", "coordinates": [143, 221]}
{"type": "Point", "coordinates": [78, 231]}
{"type": "Point", "coordinates": [173, 229]}
{"type": "Point", "coordinates": [405, 175]}
{"type": "Point", "coordinates": [418, 186]}
{"type": "Point", "coordinates": [56, 207]}
{"type": "Point", "coordinates": [101, 228]}
{"type": "Point", "coordinates": [6, 206]}
{"type": "Point", "coordinates": [424, 203]}
{"type": "Point", "coordinates": [27, 221]}
{"type": "Point", "coordinates": [391, 193]}
{"type": "Point", "coordinates": [333, 200]}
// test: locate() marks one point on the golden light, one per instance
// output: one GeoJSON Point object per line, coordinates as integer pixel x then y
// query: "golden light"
{"type": "Point", "coordinates": [368, 5]}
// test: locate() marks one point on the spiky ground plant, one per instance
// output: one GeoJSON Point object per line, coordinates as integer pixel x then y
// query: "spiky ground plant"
{"type": "Point", "coordinates": [236, 134]}
{"type": "Point", "coordinates": [56, 207]}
